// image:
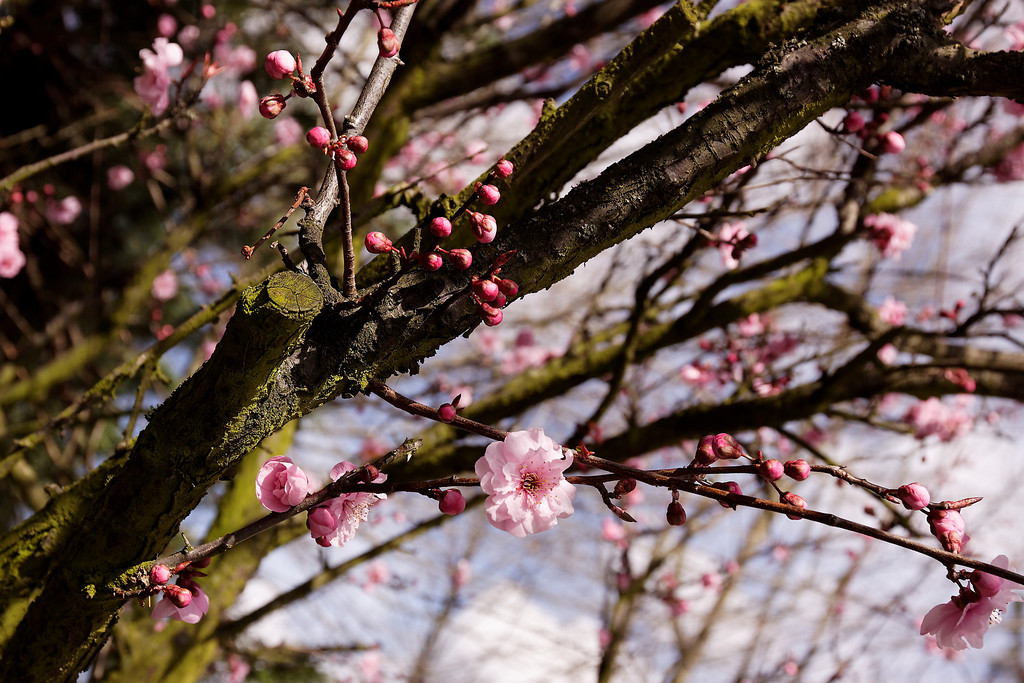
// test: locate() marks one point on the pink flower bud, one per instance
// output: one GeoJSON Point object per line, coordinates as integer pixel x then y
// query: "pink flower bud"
{"type": "Point", "coordinates": [948, 526]}
{"type": "Point", "coordinates": [387, 43]}
{"type": "Point", "coordinates": [675, 514]}
{"type": "Point", "coordinates": [488, 194]}
{"type": "Point", "coordinates": [181, 597]}
{"type": "Point", "coordinates": [431, 261]}
{"type": "Point", "coordinates": [272, 105]}
{"type": "Point", "coordinates": [378, 243]}
{"type": "Point", "coordinates": [440, 227]}
{"type": "Point", "coordinates": [347, 159]}
{"type": "Point", "coordinates": [492, 316]}
{"type": "Point", "coordinates": [446, 413]}
{"type": "Point", "coordinates": [485, 289]}
{"type": "Point", "coordinates": [853, 122]}
{"type": "Point", "coordinates": [452, 502]}
{"type": "Point", "coordinates": [318, 137]}
{"type": "Point", "coordinates": [461, 258]}
{"type": "Point", "coordinates": [508, 288]}
{"type": "Point", "coordinates": [159, 574]}
{"type": "Point", "coordinates": [771, 470]}
{"type": "Point", "coordinates": [914, 496]}
{"type": "Point", "coordinates": [503, 169]}
{"type": "Point", "coordinates": [358, 144]}
{"type": "Point", "coordinates": [484, 227]}
{"type": "Point", "coordinates": [726, 447]}
{"type": "Point", "coordinates": [321, 522]}
{"type": "Point", "coordinates": [893, 143]}
{"type": "Point", "coordinates": [731, 487]}
{"type": "Point", "coordinates": [790, 498]}
{"type": "Point", "coordinates": [279, 63]}
{"type": "Point", "coordinates": [797, 469]}
{"type": "Point", "coordinates": [499, 300]}
{"type": "Point", "coordinates": [705, 455]}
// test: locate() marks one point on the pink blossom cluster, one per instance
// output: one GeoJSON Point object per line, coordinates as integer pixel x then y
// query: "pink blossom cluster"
{"type": "Point", "coordinates": [523, 478]}
{"type": "Point", "coordinates": [733, 240]}
{"type": "Point", "coordinates": [335, 523]}
{"type": "Point", "coordinates": [185, 600]}
{"type": "Point", "coordinates": [12, 260]}
{"type": "Point", "coordinates": [935, 417]}
{"type": "Point", "coordinates": [156, 79]}
{"type": "Point", "coordinates": [891, 234]}
{"type": "Point", "coordinates": [893, 311]}
{"type": "Point", "coordinates": [964, 620]}
{"type": "Point", "coordinates": [747, 358]}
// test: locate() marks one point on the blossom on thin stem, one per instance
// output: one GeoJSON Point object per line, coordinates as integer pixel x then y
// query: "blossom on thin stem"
{"type": "Point", "coordinates": [346, 512]}
{"type": "Point", "coordinates": [963, 621]}
{"type": "Point", "coordinates": [523, 478]}
{"type": "Point", "coordinates": [280, 484]}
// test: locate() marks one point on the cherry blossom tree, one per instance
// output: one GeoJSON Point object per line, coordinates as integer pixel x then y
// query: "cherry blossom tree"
{"type": "Point", "coordinates": [736, 281]}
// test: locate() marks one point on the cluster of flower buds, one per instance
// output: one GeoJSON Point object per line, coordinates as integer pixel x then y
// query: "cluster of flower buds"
{"type": "Point", "coordinates": [343, 150]}
{"type": "Point", "coordinates": [281, 64]}
{"type": "Point", "coordinates": [889, 142]}
{"type": "Point", "coordinates": [491, 292]}
{"type": "Point", "coordinates": [185, 600]}
{"type": "Point", "coordinates": [461, 259]}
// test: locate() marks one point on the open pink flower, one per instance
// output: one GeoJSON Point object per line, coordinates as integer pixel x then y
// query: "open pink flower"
{"type": "Point", "coordinates": [963, 620]}
{"type": "Point", "coordinates": [152, 85]}
{"type": "Point", "coordinates": [522, 477]}
{"type": "Point", "coordinates": [190, 613]}
{"type": "Point", "coordinates": [348, 511]}
{"type": "Point", "coordinates": [280, 484]}
{"type": "Point", "coordinates": [890, 233]}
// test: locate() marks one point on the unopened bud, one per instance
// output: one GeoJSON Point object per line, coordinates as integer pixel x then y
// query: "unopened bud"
{"type": "Point", "coordinates": [370, 472]}
{"type": "Point", "coordinates": [346, 159]}
{"type": "Point", "coordinates": [770, 469]}
{"type": "Point", "coordinates": [508, 287]}
{"type": "Point", "coordinates": [318, 137]}
{"type": "Point", "coordinates": [484, 227]}
{"type": "Point", "coordinates": [387, 43]}
{"type": "Point", "coordinates": [675, 515]}
{"type": "Point", "coordinates": [503, 169]}
{"type": "Point", "coordinates": [914, 496]}
{"type": "Point", "coordinates": [461, 258]}
{"type": "Point", "coordinates": [486, 290]}
{"type": "Point", "coordinates": [797, 469]}
{"type": "Point", "coordinates": [440, 227]}
{"type": "Point", "coordinates": [159, 574]}
{"type": "Point", "coordinates": [705, 455]}
{"type": "Point", "coordinates": [488, 194]}
{"type": "Point", "coordinates": [790, 498]}
{"type": "Point", "coordinates": [181, 597]}
{"type": "Point", "coordinates": [893, 143]}
{"type": "Point", "coordinates": [358, 144]}
{"type": "Point", "coordinates": [854, 122]}
{"type": "Point", "coordinates": [446, 413]}
{"type": "Point", "coordinates": [272, 105]}
{"type": "Point", "coordinates": [378, 243]}
{"type": "Point", "coordinates": [730, 487]}
{"type": "Point", "coordinates": [726, 447]}
{"type": "Point", "coordinates": [492, 316]}
{"type": "Point", "coordinates": [431, 261]}
{"type": "Point", "coordinates": [452, 502]}
{"type": "Point", "coordinates": [279, 63]}
{"type": "Point", "coordinates": [499, 300]}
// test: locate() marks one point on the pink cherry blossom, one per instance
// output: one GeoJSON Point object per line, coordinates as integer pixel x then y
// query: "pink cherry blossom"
{"type": "Point", "coordinates": [279, 63]}
{"type": "Point", "coordinates": [348, 511]}
{"type": "Point", "coordinates": [523, 478]}
{"type": "Point", "coordinates": [935, 417]}
{"type": "Point", "coordinates": [287, 131]}
{"type": "Point", "coordinates": [119, 177]}
{"type": "Point", "coordinates": [152, 85]}
{"type": "Point", "coordinates": [190, 614]}
{"type": "Point", "coordinates": [893, 311]}
{"type": "Point", "coordinates": [727, 237]}
{"type": "Point", "coordinates": [65, 211]}
{"type": "Point", "coordinates": [165, 286]}
{"type": "Point", "coordinates": [890, 233]}
{"type": "Point", "coordinates": [963, 621]}
{"type": "Point", "coordinates": [12, 260]}
{"type": "Point", "coordinates": [280, 484]}
{"type": "Point", "coordinates": [887, 354]}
